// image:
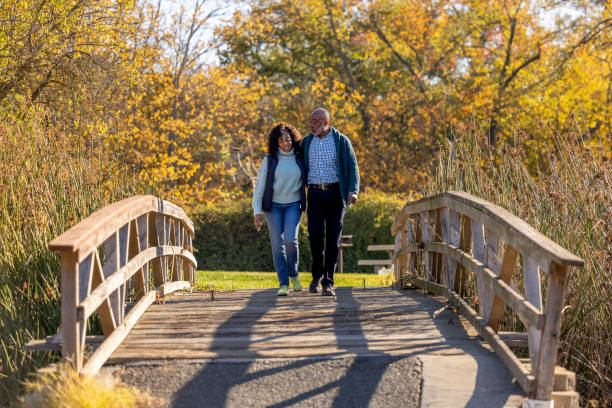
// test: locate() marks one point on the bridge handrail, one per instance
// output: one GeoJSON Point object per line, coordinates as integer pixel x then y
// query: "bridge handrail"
{"type": "Point", "coordinates": [108, 256]}
{"type": "Point", "coordinates": [90, 232]}
{"type": "Point", "coordinates": [439, 239]}
{"type": "Point", "coordinates": [508, 226]}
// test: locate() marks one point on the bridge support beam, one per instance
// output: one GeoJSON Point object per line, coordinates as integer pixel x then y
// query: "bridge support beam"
{"type": "Point", "coordinates": [72, 325]}
{"type": "Point", "coordinates": [550, 337]}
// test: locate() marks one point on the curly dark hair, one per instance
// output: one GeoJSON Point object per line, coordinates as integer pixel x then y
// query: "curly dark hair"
{"type": "Point", "coordinates": [277, 131]}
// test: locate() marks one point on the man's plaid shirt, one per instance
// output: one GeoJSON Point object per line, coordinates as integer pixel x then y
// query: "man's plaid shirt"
{"type": "Point", "coordinates": [323, 167]}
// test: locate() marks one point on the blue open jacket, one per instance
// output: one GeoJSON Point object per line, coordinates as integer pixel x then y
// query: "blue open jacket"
{"type": "Point", "coordinates": [348, 171]}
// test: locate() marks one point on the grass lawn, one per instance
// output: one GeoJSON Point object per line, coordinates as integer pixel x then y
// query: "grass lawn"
{"type": "Point", "coordinates": [221, 280]}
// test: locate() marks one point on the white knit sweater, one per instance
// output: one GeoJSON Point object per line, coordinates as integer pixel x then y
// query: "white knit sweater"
{"type": "Point", "coordinates": [287, 181]}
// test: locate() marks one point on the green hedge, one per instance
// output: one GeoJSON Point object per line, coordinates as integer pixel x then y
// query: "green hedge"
{"type": "Point", "coordinates": [227, 240]}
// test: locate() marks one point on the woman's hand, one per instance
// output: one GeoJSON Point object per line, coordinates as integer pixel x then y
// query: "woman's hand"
{"type": "Point", "coordinates": [257, 221]}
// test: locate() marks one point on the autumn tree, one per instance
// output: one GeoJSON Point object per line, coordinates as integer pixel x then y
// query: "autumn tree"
{"type": "Point", "coordinates": [188, 128]}
{"type": "Point", "coordinates": [68, 55]}
{"type": "Point", "coordinates": [318, 53]}
{"type": "Point", "coordinates": [399, 74]}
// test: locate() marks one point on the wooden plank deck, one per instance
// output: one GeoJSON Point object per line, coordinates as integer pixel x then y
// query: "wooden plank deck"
{"type": "Point", "coordinates": [249, 326]}
{"type": "Point", "coordinates": [257, 323]}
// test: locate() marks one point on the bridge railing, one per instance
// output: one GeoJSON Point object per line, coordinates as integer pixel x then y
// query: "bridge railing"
{"type": "Point", "coordinates": [124, 255]}
{"type": "Point", "coordinates": [451, 242]}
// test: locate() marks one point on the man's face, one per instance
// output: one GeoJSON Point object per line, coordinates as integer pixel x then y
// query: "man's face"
{"type": "Point", "coordinates": [317, 124]}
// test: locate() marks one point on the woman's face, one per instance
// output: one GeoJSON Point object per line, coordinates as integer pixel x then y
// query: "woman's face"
{"type": "Point", "coordinates": [284, 142]}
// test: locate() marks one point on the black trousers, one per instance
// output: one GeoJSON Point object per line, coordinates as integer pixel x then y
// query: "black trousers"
{"type": "Point", "coordinates": [325, 218]}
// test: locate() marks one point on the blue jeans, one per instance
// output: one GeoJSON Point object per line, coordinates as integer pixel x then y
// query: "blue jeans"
{"type": "Point", "coordinates": [283, 222]}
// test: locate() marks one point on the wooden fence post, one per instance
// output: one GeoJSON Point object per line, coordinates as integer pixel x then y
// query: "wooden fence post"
{"type": "Point", "coordinates": [71, 324]}
{"type": "Point", "coordinates": [110, 266]}
{"type": "Point", "coordinates": [156, 232]}
{"type": "Point", "coordinates": [533, 294]}
{"type": "Point", "coordinates": [405, 239]}
{"type": "Point", "coordinates": [492, 261]}
{"type": "Point", "coordinates": [465, 244]}
{"type": "Point", "coordinates": [397, 263]}
{"type": "Point", "coordinates": [478, 242]}
{"type": "Point", "coordinates": [437, 257]}
{"type": "Point", "coordinates": [416, 260]}
{"type": "Point", "coordinates": [451, 234]}
{"type": "Point", "coordinates": [192, 276]}
{"type": "Point", "coordinates": [427, 231]}
{"type": "Point", "coordinates": [555, 294]}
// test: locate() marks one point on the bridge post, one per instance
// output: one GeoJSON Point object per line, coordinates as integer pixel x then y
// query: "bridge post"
{"type": "Point", "coordinates": [71, 324]}
{"type": "Point", "coordinates": [427, 235]}
{"type": "Point", "coordinates": [156, 238]}
{"type": "Point", "coordinates": [465, 244]}
{"type": "Point", "coordinates": [402, 263]}
{"type": "Point", "coordinates": [437, 257]}
{"type": "Point", "coordinates": [451, 233]}
{"type": "Point", "coordinates": [552, 327]}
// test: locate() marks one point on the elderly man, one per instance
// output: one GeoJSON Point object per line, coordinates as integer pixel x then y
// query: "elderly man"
{"type": "Point", "coordinates": [333, 184]}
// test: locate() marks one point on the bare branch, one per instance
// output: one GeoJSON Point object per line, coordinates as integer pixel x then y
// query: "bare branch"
{"type": "Point", "coordinates": [520, 67]}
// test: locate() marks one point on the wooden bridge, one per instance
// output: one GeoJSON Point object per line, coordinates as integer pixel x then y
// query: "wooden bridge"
{"type": "Point", "coordinates": [469, 255]}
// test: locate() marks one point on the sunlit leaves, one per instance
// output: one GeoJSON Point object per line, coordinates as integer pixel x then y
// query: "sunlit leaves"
{"type": "Point", "coordinates": [55, 51]}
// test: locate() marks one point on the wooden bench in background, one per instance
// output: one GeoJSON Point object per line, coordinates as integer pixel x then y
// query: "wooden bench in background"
{"type": "Point", "coordinates": [345, 241]}
{"type": "Point", "coordinates": [377, 263]}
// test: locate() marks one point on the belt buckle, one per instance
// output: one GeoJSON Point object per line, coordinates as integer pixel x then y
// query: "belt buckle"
{"type": "Point", "coordinates": [324, 187]}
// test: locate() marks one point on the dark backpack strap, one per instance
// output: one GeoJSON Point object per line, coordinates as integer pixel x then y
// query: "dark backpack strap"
{"type": "Point", "coordinates": [300, 162]}
{"type": "Point", "coordinates": [266, 202]}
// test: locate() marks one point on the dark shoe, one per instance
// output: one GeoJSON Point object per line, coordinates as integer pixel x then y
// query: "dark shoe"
{"type": "Point", "coordinates": [314, 286]}
{"type": "Point", "coordinates": [328, 291]}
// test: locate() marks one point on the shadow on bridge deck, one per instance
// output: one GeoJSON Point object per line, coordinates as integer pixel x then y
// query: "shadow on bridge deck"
{"type": "Point", "coordinates": [380, 347]}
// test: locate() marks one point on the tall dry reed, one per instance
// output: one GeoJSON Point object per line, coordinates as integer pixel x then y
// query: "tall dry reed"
{"type": "Point", "coordinates": [563, 188]}
{"type": "Point", "coordinates": [49, 180]}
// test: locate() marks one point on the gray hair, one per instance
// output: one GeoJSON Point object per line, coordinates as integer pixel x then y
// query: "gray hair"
{"type": "Point", "coordinates": [319, 111]}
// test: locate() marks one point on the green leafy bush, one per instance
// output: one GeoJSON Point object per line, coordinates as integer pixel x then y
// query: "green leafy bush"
{"type": "Point", "coordinates": [227, 240]}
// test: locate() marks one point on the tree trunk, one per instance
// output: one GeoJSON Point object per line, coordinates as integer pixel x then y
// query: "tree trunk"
{"type": "Point", "coordinates": [492, 131]}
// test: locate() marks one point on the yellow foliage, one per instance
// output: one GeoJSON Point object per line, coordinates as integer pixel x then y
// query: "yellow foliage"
{"type": "Point", "coordinates": [189, 141]}
{"type": "Point", "coordinates": [398, 76]}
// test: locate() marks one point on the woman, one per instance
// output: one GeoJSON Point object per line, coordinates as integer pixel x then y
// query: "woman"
{"type": "Point", "coordinates": [280, 193]}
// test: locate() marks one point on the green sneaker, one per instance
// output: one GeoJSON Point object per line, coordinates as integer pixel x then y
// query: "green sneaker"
{"type": "Point", "coordinates": [283, 291]}
{"type": "Point", "coordinates": [295, 282]}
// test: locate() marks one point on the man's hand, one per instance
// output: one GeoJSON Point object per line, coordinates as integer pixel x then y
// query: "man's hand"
{"type": "Point", "coordinates": [257, 221]}
{"type": "Point", "coordinates": [352, 198]}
